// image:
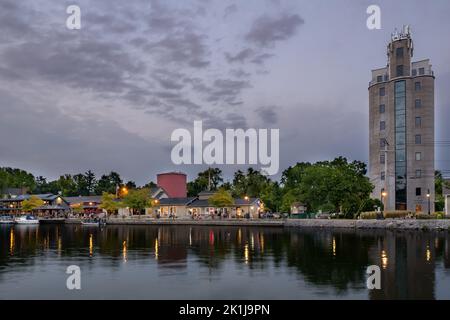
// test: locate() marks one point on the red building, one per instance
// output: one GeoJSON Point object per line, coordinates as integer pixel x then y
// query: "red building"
{"type": "Point", "coordinates": [174, 183]}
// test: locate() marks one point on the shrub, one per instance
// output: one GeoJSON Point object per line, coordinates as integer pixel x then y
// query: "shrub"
{"type": "Point", "coordinates": [440, 215]}
{"type": "Point", "coordinates": [397, 214]}
{"type": "Point", "coordinates": [425, 216]}
{"type": "Point", "coordinates": [368, 215]}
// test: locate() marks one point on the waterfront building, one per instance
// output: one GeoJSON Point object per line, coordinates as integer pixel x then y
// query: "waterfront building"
{"type": "Point", "coordinates": [248, 207]}
{"type": "Point", "coordinates": [401, 129]}
{"type": "Point", "coordinates": [89, 204]}
{"type": "Point", "coordinates": [54, 205]}
{"type": "Point", "coordinates": [175, 207]}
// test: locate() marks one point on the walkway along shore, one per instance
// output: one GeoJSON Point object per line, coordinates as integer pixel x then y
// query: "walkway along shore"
{"type": "Point", "coordinates": [389, 224]}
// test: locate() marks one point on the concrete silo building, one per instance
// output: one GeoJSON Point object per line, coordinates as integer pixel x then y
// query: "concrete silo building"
{"type": "Point", "coordinates": [401, 136]}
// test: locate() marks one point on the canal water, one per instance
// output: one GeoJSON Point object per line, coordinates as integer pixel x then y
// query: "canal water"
{"type": "Point", "coordinates": [198, 262]}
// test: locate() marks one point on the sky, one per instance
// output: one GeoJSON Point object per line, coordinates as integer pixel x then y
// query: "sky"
{"type": "Point", "coordinates": [108, 96]}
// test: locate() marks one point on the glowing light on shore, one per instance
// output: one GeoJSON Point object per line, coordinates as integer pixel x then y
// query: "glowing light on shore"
{"type": "Point", "coordinates": [156, 249]}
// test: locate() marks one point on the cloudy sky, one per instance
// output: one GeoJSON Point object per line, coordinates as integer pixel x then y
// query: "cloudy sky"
{"type": "Point", "coordinates": [108, 96]}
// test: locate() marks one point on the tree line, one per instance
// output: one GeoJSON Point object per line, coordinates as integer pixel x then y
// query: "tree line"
{"type": "Point", "coordinates": [330, 186]}
{"type": "Point", "coordinates": [82, 184]}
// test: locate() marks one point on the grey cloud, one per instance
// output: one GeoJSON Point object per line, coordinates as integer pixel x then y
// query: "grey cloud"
{"type": "Point", "coordinates": [267, 114]}
{"type": "Point", "coordinates": [229, 10]}
{"type": "Point", "coordinates": [261, 58]}
{"type": "Point", "coordinates": [242, 56]}
{"type": "Point", "coordinates": [57, 144]}
{"type": "Point", "coordinates": [239, 73]}
{"type": "Point", "coordinates": [266, 30]}
{"type": "Point", "coordinates": [185, 48]}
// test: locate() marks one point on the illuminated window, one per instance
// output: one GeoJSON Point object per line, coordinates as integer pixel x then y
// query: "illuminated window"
{"type": "Point", "coordinates": [418, 156]}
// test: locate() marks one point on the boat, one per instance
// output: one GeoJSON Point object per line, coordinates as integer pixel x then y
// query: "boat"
{"type": "Point", "coordinates": [52, 220]}
{"type": "Point", "coordinates": [6, 220]}
{"type": "Point", "coordinates": [28, 219]}
{"type": "Point", "coordinates": [90, 223]}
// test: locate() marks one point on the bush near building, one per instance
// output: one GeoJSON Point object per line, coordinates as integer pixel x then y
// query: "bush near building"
{"type": "Point", "coordinates": [368, 215]}
{"type": "Point", "coordinates": [397, 214]}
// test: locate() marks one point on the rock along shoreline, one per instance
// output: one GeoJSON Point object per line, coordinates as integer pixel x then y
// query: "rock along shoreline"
{"type": "Point", "coordinates": [388, 224]}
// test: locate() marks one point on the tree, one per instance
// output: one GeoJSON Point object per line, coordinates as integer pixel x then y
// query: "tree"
{"type": "Point", "coordinates": [90, 181]}
{"type": "Point", "coordinates": [221, 199]}
{"type": "Point", "coordinates": [337, 184]}
{"type": "Point", "coordinates": [251, 184]}
{"type": "Point", "coordinates": [138, 200]}
{"type": "Point", "coordinates": [130, 185]}
{"type": "Point", "coordinates": [439, 184]}
{"type": "Point", "coordinates": [210, 178]}
{"type": "Point", "coordinates": [67, 186]}
{"type": "Point", "coordinates": [108, 183]}
{"type": "Point", "coordinates": [81, 184]}
{"type": "Point", "coordinates": [32, 203]}
{"type": "Point", "coordinates": [16, 178]}
{"type": "Point", "coordinates": [150, 185]}
{"type": "Point", "coordinates": [109, 203]}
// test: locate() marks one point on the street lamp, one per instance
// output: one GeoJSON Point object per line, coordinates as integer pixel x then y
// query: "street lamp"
{"type": "Point", "coordinates": [246, 198]}
{"type": "Point", "coordinates": [428, 197]}
{"type": "Point", "coordinates": [383, 197]}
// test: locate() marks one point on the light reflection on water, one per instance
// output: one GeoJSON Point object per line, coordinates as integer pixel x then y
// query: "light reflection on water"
{"type": "Point", "coordinates": [190, 262]}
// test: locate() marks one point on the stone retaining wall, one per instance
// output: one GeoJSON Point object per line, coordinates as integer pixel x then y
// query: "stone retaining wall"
{"type": "Point", "coordinates": [389, 224]}
{"type": "Point", "coordinates": [400, 224]}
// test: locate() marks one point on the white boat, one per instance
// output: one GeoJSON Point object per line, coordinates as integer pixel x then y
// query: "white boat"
{"type": "Point", "coordinates": [27, 220]}
{"type": "Point", "coordinates": [6, 220]}
{"type": "Point", "coordinates": [90, 223]}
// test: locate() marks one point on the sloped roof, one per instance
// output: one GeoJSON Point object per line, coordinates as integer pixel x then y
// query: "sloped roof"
{"type": "Point", "coordinates": [81, 199]}
{"type": "Point", "coordinates": [176, 201]}
{"type": "Point", "coordinates": [45, 197]}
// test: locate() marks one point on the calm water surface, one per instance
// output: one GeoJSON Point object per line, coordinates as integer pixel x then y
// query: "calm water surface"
{"type": "Point", "coordinates": [182, 262]}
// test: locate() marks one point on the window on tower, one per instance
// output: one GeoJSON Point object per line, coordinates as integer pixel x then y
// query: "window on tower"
{"type": "Point", "coordinates": [400, 71]}
{"type": "Point", "coordinates": [418, 122]}
{"type": "Point", "coordinates": [418, 86]}
{"type": "Point", "coordinates": [382, 108]}
{"type": "Point", "coordinates": [418, 191]}
{"type": "Point", "coordinates": [382, 125]}
{"type": "Point", "coordinates": [382, 92]}
{"type": "Point", "coordinates": [399, 52]}
{"type": "Point", "coordinates": [418, 173]}
{"type": "Point", "coordinates": [418, 103]}
{"type": "Point", "coordinates": [418, 139]}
